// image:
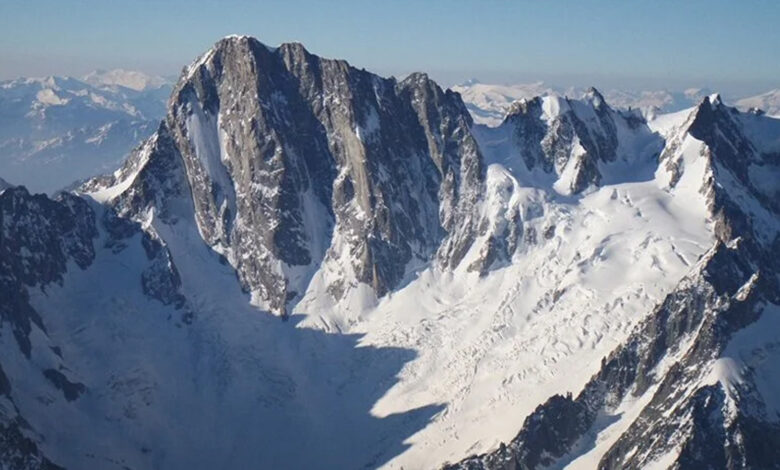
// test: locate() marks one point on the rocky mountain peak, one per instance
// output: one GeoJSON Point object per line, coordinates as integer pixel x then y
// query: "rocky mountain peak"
{"type": "Point", "coordinates": [523, 106]}
{"type": "Point", "coordinates": [710, 114]}
{"type": "Point", "coordinates": [300, 165]}
{"type": "Point", "coordinates": [567, 138]}
{"type": "Point", "coordinates": [730, 158]}
{"type": "Point", "coordinates": [595, 97]}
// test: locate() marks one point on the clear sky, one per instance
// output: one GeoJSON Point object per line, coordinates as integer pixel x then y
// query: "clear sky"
{"type": "Point", "coordinates": [725, 45]}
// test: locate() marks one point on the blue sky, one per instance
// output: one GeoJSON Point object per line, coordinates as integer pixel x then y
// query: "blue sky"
{"type": "Point", "coordinates": [727, 45]}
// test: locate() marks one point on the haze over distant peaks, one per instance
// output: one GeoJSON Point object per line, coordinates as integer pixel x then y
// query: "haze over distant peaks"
{"type": "Point", "coordinates": [489, 103]}
{"type": "Point", "coordinates": [132, 79]}
{"type": "Point", "coordinates": [768, 102]}
{"type": "Point", "coordinates": [55, 130]}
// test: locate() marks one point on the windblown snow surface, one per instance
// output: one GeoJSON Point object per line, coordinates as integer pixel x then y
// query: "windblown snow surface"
{"type": "Point", "coordinates": [442, 368]}
{"type": "Point", "coordinates": [490, 349]}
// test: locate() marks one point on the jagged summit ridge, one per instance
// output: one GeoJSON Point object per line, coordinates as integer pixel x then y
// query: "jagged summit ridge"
{"type": "Point", "coordinates": [687, 374]}
{"type": "Point", "coordinates": [298, 164]}
{"type": "Point", "coordinates": [732, 158]}
{"type": "Point", "coordinates": [572, 143]}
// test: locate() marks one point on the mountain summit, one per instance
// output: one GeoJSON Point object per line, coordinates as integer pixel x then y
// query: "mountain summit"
{"type": "Point", "coordinates": [297, 165]}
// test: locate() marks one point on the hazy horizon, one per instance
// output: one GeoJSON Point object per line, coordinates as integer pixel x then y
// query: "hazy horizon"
{"type": "Point", "coordinates": [607, 44]}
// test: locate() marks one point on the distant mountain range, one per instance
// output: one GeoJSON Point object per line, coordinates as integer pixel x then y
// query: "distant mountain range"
{"type": "Point", "coordinates": [56, 130]}
{"type": "Point", "coordinates": [768, 102]}
{"type": "Point", "coordinates": [131, 79]}
{"type": "Point", "coordinates": [489, 103]}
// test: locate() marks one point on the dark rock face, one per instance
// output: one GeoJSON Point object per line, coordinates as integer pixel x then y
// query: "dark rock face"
{"type": "Point", "coordinates": [157, 183]}
{"type": "Point", "coordinates": [292, 162]}
{"type": "Point", "coordinates": [556, 425]}
{"type": "Point", "coordinates": [160, 279]}
{"type": "Point", "coordinates": [39, 236]}
{"type": "Point", "coordinates": [52, 231]}
{"type": "Point", "coordinates": [18, 452]}
{"type": "Point", "coordinates": [736, 162]}
{"type": "Point", "coordinates": [40, 240]}
{"type": "Point", "coordinates": [71, 390]}
{"type": "Point", "coordinates": [580, 133]}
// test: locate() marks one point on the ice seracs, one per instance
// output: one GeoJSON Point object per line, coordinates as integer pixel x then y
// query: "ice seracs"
{"type": "Point", "coordinates": [677, 376]}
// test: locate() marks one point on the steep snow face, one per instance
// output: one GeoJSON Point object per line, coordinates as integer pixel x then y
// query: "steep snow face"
{"type": "Point", "coordinates": [693, 372]}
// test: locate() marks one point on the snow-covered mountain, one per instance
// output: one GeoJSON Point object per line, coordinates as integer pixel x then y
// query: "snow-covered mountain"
{"type": "Point", "coordinates": [569, 282]}
{"type": "Point", "coordinates": [131, 79]}
{"type": "Point", "coordinates": [489, 103]}
{"type": "Point", "coordinates": [695, 383]}
{"type": "Point", "coordinates": [653, 102]}
{"type": "Point", "coordinates": [768, 102]}
{"type": "Point", "coordinates": [56, 130]}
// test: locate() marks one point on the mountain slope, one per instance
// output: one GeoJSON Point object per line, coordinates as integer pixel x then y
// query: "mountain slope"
{"type": "Point", "coordinates": [696, 375]}
{"type": "Point", "coordinates": [441, 280]}
{"type": "Point", "coordinates": [768, 102]}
